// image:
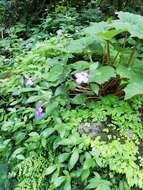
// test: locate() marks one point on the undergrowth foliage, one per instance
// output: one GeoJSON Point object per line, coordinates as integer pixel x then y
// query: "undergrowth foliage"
{"type": "Point", "coordinates": [71, 110]}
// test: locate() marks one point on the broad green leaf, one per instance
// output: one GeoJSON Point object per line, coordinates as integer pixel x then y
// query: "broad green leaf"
{"type": "Point", "coordinates": [99, 183]}
{"type": "Point", "coordinates": [63, 157]}
{"type": "Point", "coordinates": [58, 181]}
{"type": "Point", "coordinates": [52, 106]}
{"type": "Point", "coordinates": [85, 174]}
{"type": "Point", "coordinates": [67, 186]}
{"type": "Point", "coordinates": [133, 72]}
{"type": "Point", "coordinates": [47, 132]}
{"type": "Point", "coordinates": [77, 46]}
{"type": "Point", "coordinates": [34, 137]}
{"type": "Point", "coordinates": [94, 48]}
{"type": "Point", "coordinates": [108, 35]}
{"type": "Point", "coordinates": [87, 45]}
{"type": "Point", "coordinates": [79, 99]}
{"type": "Point", "coordinates": [95, 88]}
{"type": "Point", "coordinates": [80, 65]}
{"type": "Point", "coordinates": [133, 89]}
{"type": "Point", "coordinates": [55, 73]}
{"type": "Point", "coordinates": [74, 158]}
{"type": "Point", "coordinates": [50, 170]}
{"type": "Point", "coordinates": [133, 22]}
{"type": "Point", "coordinates": [95, 28]}
{"type": "Point", "coordinates": [71, 140]}
{"type": "Point", "coordinates": [102, 74]}
{"type": "Point", "coordinates": [88, 163]}
{"type": "Point", "coordinates": [33, 99]}
{"type": "Point", "coordinates": [19, 136]}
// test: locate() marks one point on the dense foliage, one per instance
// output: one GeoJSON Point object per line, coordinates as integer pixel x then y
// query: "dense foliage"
{"type": "Point", "coordinates": [71, 103]}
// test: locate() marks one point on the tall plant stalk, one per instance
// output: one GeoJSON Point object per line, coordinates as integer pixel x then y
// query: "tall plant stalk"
{"type": "Point", "coordinates": [132, 55]}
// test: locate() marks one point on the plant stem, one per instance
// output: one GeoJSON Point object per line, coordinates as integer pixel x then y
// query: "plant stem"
{"type": "Point", "coordinates": [125, 39]}
{"type": "Point", "coordinates": [104, 54]}
{"type": "Point", "coordinates": [131, 58]}
{"type": "Point", "coordinates": [108, 52]}
{"type": "Point", "coordinates": [90, 58]}
{"type": "Point", "coordinates": [114, 60]}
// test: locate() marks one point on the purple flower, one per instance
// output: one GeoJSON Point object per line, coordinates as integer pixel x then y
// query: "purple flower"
{"type": "Point", "coordinates": [29, 82]}
{"type": "Point", "coordinates": [81, 77]}
{"type": "Point", "coordinates": [38, 112]}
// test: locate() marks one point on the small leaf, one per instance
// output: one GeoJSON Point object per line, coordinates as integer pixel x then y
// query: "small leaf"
{"type": "Point", "coordinates": [34, 136]}
{"type": "Point", "coordinates": [47, 132]}
{"type": "Point", "coordinates": [74, 158]}
{"type": "Point", "coordinates": [95, 88]}
{"type": "Point", "coordinates": [50, 170]}
{"type": "Point", "coordinates": [85, 174]}
{"type": "Point", "coordinates": [79, 99]}
{"type": "Point", "coordinates": [59, 180]}
{"type": "Point", "coordinates": [67, 186]}
{"type": "Point", "coordinates": [33, 99]}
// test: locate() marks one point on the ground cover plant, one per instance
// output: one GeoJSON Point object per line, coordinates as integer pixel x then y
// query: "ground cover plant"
{"type": "Point", "coordinates": [71, 106]}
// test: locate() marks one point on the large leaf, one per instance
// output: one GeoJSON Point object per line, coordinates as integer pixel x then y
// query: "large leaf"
{"type": "Point", "coordinates": [133, 72]}
{"type": "Point", "coordinates": [101, 74]}
{"type": "Point", "coordinates": [80, 65]}
{"type": "Point", "coordinates": [108, 35]}
{"type": "Point", "coordinates": [87, 45]}
{"type": "Point", "coordinates": [55, 73]}
{"type": "Point", "coordinates": [132, 22]}
{"type": "Point", "coordinates": [97, 28]}
{"type": "Point", "coordinates": [133, 89]}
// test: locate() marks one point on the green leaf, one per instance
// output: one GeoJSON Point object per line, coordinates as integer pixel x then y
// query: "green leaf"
{"type": "Point", "coordinates": [133, 89]}
{"type": "Point", "coordinates": [33, 99]}
{"type": "Point", "coordinates": [74, 158]}
{"type": "Point", "coordinates": [59, 180]}
{"type": "Point", "coordinates": [55, 73]}
{"type": "Point", "coordinates": [95, 28]}
{"type": "Point", "coordinates": [99, 183]}
{"type": "Point", "coordinates": [134, 72]}
{"type": "Point", "coordinates": [71, 140]}
{"type": "Point", "coordinates": [50, 170]}
{"type": "Point", "coordinates": [132, 22]}
{"type": "Point", "coordinates": [85, 174]}
{"type": "Point", "coordinates": [34, 136]}
{"type": "Point", "coordinates": [86, 45]}
{"type": "Point", "coordinates": [108, 35]}
{"type": "Point", "coordinates": [77, 46]}
{"type": "Point", "coordinates": [79, 99]}
{"type": "Point", "coordinates": [63, 157]}
{"type": "Point", "coordinates": [80, 65]}
{"type": "Point", "coordinates": [47, 132]}
{"type": "Point", "coordinates": [67, 186]}
{"type": "Point", "coordinates": [102, 74]}
{"type": "Point", "coordinates": [95, 88]}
